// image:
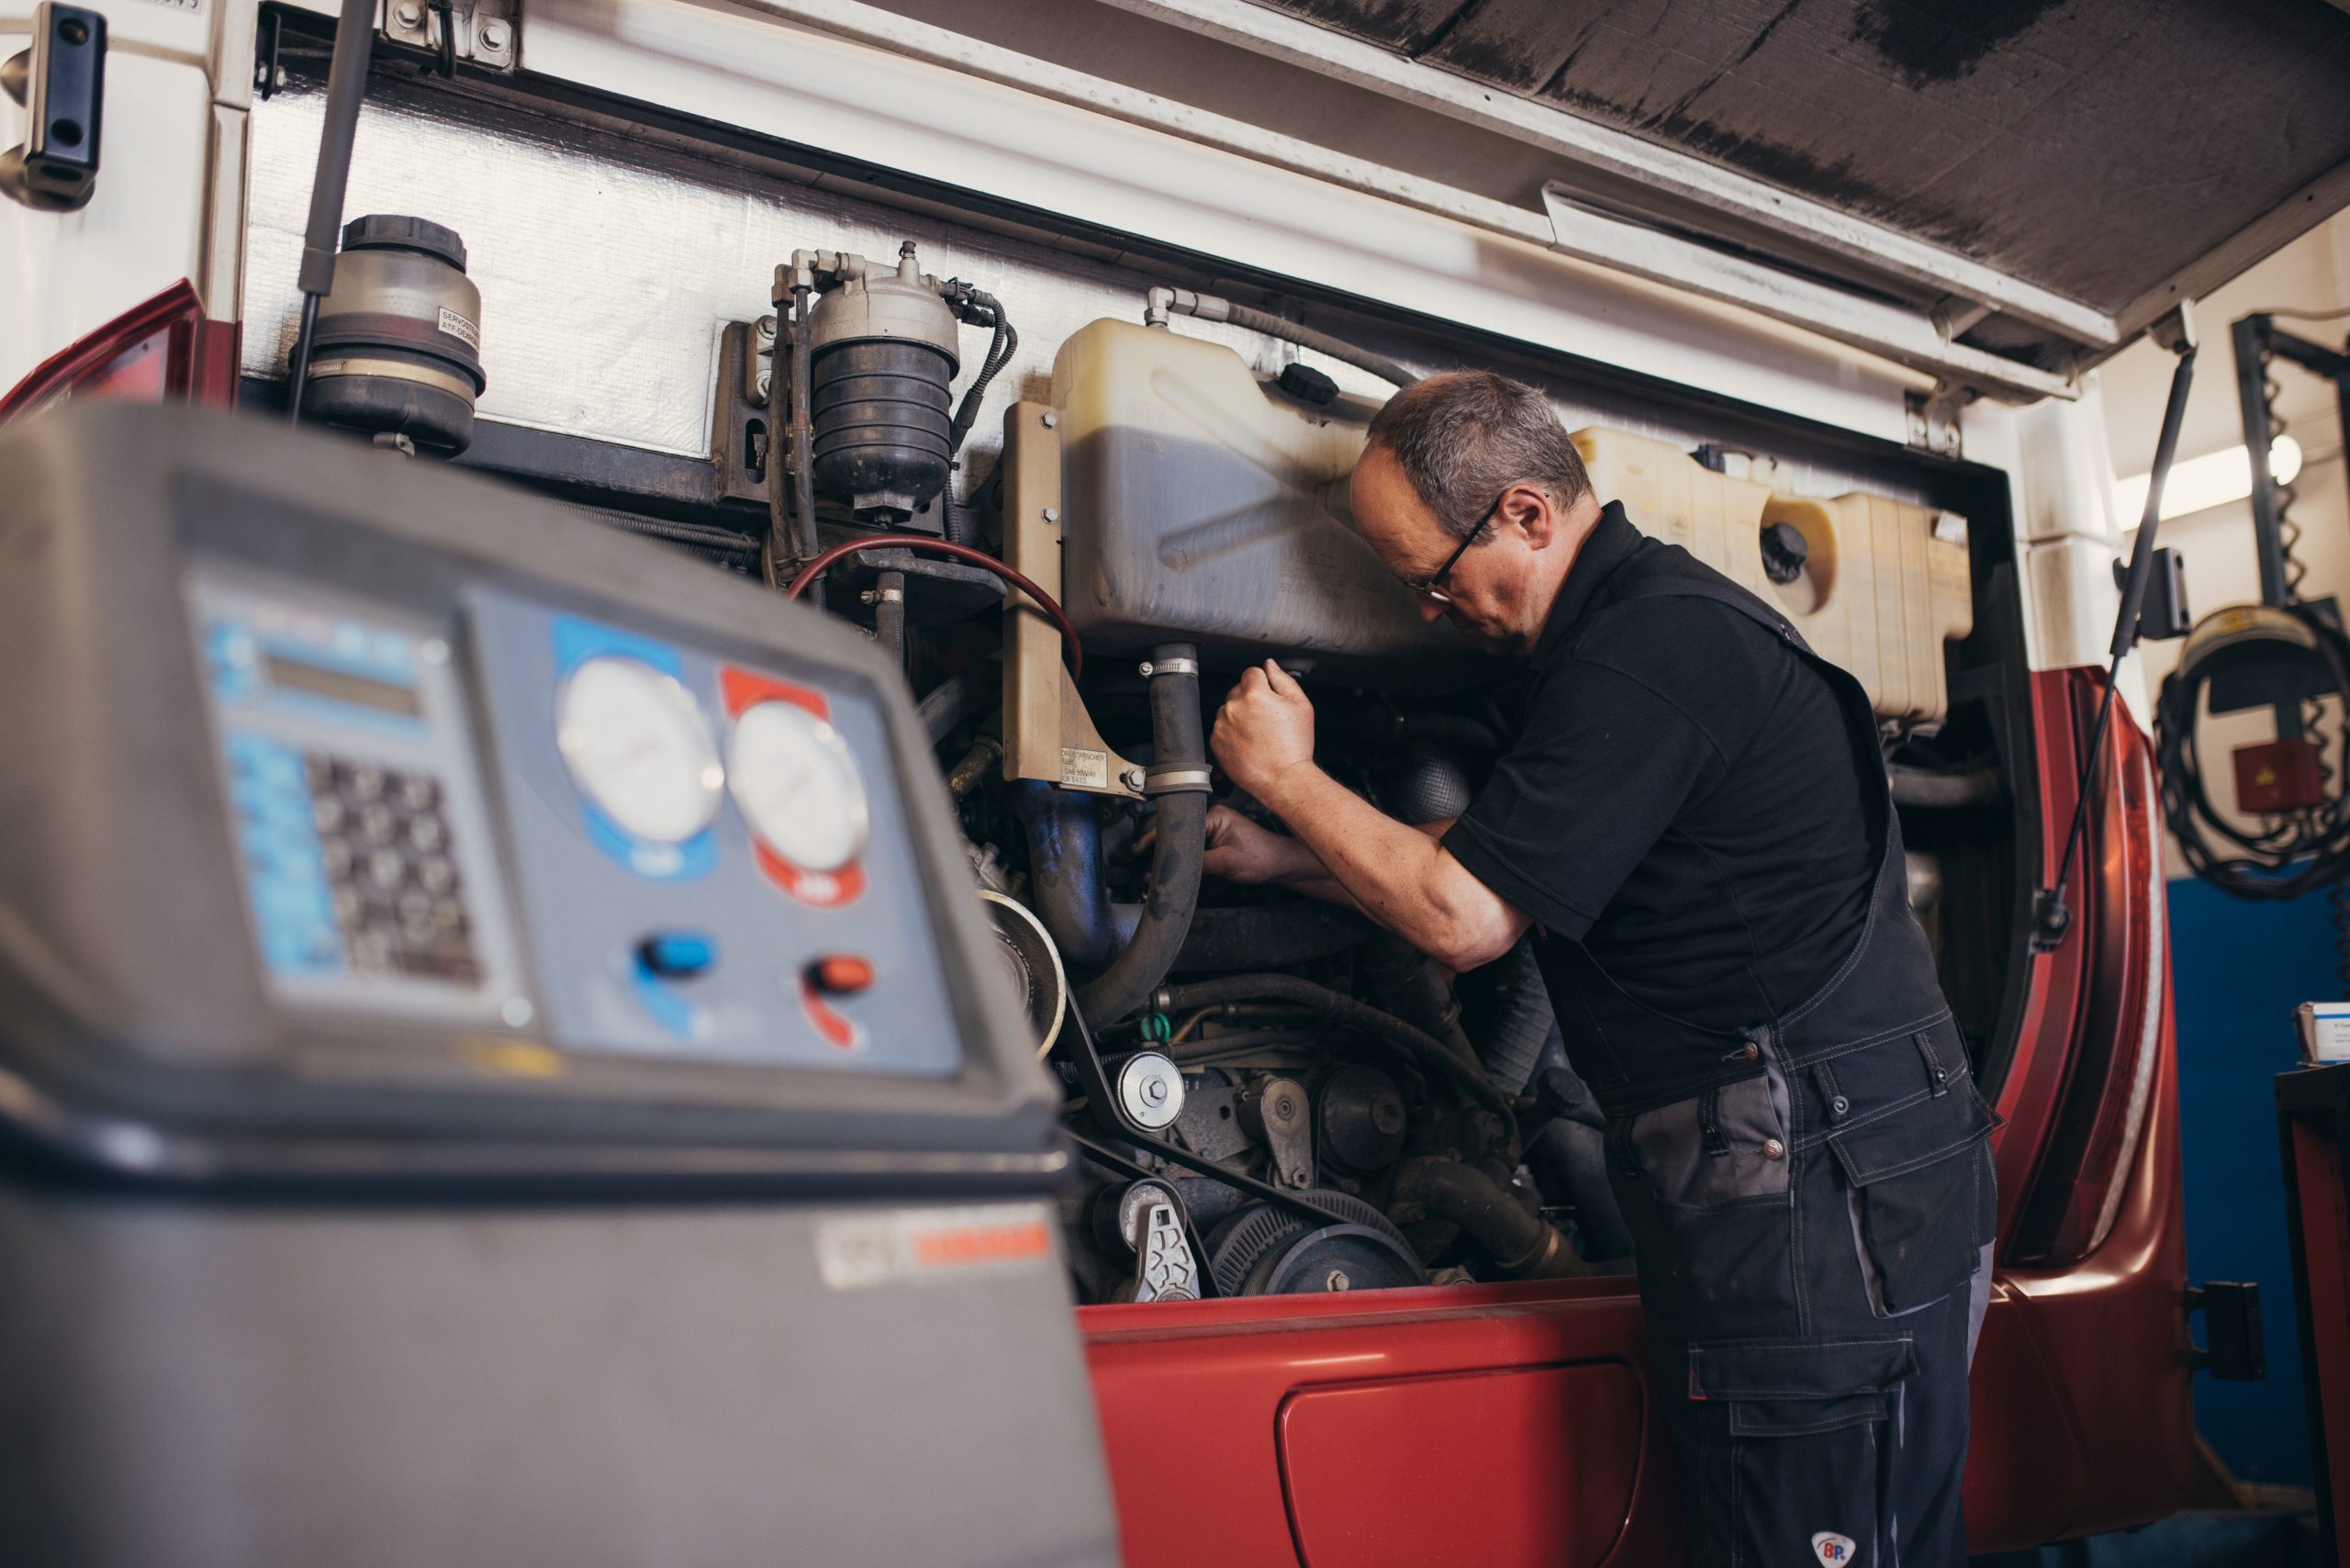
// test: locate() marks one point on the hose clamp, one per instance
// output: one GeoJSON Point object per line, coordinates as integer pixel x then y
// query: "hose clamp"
{"type": "Point", "coordinates": [1153, 668]}
{"type": "Point", "coordinates": [1175, 782]}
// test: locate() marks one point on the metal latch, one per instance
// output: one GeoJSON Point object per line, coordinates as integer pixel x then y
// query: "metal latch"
{"type": "Point", "coordinates": [61, 83]}
{"type": "Point", "coordinates": [486, 33]}
{"type": "Point", "coordinates": [2234, 1349]}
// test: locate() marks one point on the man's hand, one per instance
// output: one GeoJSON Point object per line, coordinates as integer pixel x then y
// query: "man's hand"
{"type": "Point", "coordinates": [1264, 731]}
{"type": "Point", "coordinates": [1240, 851]}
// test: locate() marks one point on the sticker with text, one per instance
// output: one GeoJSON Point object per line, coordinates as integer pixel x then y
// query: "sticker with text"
{"type": "Point", "coordinates": [1832, 1549]}
{"type": "Point", "coordinates": [890, 1247]}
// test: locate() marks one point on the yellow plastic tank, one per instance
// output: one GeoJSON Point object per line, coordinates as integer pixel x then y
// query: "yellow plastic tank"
{"type": "Point", "coordinates": [1203, 506]}
{"type": "Point", "coordinates": [1879, 592]}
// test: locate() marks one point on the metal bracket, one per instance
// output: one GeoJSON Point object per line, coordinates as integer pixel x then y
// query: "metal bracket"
{"type": "Point", "coordinates": [486, 33]}
{"type": "Point", "coordinates": [2234, 1349]}
{"type": "Point", "coordinates": [742, 432]}
{"type": "Point", "coordinates": [61, 83]}
{"type": "Point", "coordinates": [1934, 417]}
{"type": "Point", "coordinates": [1164, 1268]}
{"type": "Point", "coordinates": [1274, 1109]}
{"type": "Point", "coordinates": [1048, 734]}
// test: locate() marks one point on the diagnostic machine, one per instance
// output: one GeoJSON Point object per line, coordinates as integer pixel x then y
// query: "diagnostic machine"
{"type": "Point", "coordinates": [502, 1057]}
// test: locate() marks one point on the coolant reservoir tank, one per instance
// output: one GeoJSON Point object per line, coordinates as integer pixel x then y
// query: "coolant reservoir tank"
{"type": "Point", "coordinates": [1203, 507]}
{"type": "Point", "coordinates": [1875, 585]}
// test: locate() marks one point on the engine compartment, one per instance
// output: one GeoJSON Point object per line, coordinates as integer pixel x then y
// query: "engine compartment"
{"type": "Point", "coordinates": [1268, 1094]}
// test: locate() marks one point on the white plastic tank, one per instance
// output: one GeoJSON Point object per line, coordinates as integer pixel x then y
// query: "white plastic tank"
{"type": "Point", "coordinates": [1203, 505]}
{"type": "Point", "coordinates": [1879, 591]}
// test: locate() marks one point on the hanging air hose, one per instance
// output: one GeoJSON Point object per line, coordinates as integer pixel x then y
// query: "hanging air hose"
{"type": "Point", "coordinates": [2288, 657]}
{"type": "Point", "coordinates": [2286, 852]}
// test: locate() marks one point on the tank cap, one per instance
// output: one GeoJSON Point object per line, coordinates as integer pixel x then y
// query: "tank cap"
{"type": "Point", "coordinates": [392, 232]}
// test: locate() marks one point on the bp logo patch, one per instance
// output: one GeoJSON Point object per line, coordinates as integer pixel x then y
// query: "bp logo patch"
{"type": "Point", "coordinates": [1832, 1549]}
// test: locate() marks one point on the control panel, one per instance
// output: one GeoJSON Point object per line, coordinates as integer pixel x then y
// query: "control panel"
{"type": "Point", "coordinates": [690, 842]}
{"type": "Point", "coordinates": [704, 864]}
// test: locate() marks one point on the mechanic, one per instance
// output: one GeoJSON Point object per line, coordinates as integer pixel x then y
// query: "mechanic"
{"type": "Point", "coordinates": [1696, 826]}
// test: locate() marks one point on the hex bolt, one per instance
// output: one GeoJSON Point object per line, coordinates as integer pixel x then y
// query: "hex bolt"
{"type": "Point", "coordinates": [1154, 1091]}
{"type": "Point", "coordinates": [1052, 514]}
{"type": "Point", "coordinates": [1143, 669]}
{"type": "Point", "coordinates": [491, 36]}
{"type": "Point", "coordinates": [1134, 777]}
{"type": "Point", "coordinates": [408, 14]}
{"type": "Point", "coordinates": [766, 329]}
{"type": "Point", "coordinates": [766, 382]}
{"type": "Point", "coordinates": [1337, 1281]}
{"type": "Point", "coordinates": [1051, 418]}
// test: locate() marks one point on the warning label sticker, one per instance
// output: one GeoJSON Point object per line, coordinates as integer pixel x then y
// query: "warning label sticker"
{"type": "Point", "coordinates": [860, 1251]}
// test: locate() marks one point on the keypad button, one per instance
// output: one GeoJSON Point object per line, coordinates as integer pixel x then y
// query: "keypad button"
{"type": "Point", "coordinates": [374, 857]}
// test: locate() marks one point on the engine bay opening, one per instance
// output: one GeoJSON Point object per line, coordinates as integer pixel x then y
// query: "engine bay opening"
{"type": "Point", "coordinates": [1074, 495]}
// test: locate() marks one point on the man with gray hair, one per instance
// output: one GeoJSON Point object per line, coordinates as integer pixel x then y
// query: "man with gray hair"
{"type": "Point", "coordinates": [1694, 824]}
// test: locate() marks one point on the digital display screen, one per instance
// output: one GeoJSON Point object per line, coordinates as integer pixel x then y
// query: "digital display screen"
{"type": "Point", "coordinates": [342, 686]}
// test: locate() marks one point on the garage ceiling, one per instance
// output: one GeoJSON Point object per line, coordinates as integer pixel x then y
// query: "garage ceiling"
{"type": "Point", "coordinates": [2102, 156]}
{"type": "Point", "coordinates": [2097, 148]}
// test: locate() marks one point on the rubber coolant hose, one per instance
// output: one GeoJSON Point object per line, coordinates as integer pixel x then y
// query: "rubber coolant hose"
{"type": "Point", "coordinates": [1423, 1048]}
{"type": "Point", "coordinates": [1180, 846]}
{"type": "Point", "coordinates": [1064, 832]}
{"type": "Point", "coordinates": [1524, 1246]}
{"type": "Point", "coordinates": [1917, 786]}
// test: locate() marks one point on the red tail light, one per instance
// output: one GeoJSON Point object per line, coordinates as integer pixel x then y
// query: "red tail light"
{"type": "Point", "coordinates": [2101, 1119]}
{"type": "Point", "coordinates": [165, 348]}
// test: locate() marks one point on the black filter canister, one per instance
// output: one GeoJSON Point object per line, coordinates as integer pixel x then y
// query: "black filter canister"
{"type": "Point", "coordinates": [397, 350]}
{"type": "Point", "coordinates": [883, 355]}
{"type": "Point", "coordinates": [881, 410]}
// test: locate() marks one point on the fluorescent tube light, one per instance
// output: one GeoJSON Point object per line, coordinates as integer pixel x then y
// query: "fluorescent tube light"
{"type": "Point", "coordinates": [2201, 483]}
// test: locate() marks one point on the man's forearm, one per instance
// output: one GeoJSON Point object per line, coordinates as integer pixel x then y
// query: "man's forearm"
{"type": "Point", "coordinates": [1302, 871]}
{"type": "Point", "coordinates": [1392, 873]}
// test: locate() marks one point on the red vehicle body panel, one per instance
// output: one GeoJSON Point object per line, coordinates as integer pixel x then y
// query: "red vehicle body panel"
{"type": "Point", "coordinates": [1507, 1424]}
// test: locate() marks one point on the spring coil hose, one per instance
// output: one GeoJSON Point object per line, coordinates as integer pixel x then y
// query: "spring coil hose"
{"type": "Point", "coordinates": [2289, 852]}
{"type": "Point", "coordinates": [2289, 537]}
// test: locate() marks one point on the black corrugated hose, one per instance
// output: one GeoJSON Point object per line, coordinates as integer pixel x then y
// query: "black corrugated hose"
{"type": "Point", "coordinates": [1178, 744]}
{"type": "Point", "coordinates": [981, 310]}
{"type": "Point", "coordinates": [1524, 1246]}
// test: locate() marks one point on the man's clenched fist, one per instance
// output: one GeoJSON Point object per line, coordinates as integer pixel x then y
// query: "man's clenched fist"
{"type": "Point", "coordinates": [1264, 730]}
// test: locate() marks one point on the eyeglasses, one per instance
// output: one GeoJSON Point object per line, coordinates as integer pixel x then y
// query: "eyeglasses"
{"type": "Point", "coordinates": [1432, 589]}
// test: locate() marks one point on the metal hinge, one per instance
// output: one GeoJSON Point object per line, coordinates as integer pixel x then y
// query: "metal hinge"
{"type": "Point", "coordinates": [1934, 417]}
{"type": "Point", "coordinates": [487, 33]}
{"type": "Point", "coordinates": [2234, 1348]}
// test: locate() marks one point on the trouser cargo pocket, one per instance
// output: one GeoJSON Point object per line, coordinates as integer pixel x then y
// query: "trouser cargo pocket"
{"type": "Point", "coordinates": [1794, 1437]}
{"type": "Point", "coordinates": [1704, 1186]}
{"type": "Point", "coordinates": [1911, 1140]}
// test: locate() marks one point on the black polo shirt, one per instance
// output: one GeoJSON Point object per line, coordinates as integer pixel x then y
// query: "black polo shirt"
{"type": "Point", "coordinates": [1686, 800]}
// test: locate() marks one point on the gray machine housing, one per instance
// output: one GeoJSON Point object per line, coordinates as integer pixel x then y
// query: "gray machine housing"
{"type": "Point", "coordinates": [291, 1286]}
{"type": "Point", "coordinates": [141, 1034]}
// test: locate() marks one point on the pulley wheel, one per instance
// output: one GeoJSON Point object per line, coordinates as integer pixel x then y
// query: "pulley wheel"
{"type": "Point", "coordinates": [1031, 964]}
{"type": "Point", "coordinates": [1266, 1249]}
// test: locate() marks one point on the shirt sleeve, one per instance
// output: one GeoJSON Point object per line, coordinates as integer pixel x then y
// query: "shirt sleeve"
{"type": "Point", "coordinates": [1605, 765]}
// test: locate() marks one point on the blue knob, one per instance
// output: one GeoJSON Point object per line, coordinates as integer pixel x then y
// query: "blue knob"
{"type": "Point", "coordinates": [676, 955]}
